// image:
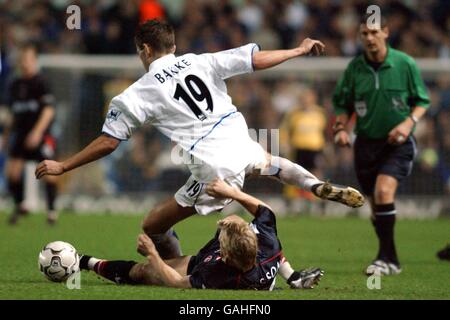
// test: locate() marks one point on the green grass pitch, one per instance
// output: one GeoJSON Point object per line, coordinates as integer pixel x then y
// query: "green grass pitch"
{"type": "Point", "coordinates": [342, 247]}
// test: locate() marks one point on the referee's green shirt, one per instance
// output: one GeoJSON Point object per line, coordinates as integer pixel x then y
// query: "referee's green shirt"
{"type": "Point", "coordinates": [383, 98]}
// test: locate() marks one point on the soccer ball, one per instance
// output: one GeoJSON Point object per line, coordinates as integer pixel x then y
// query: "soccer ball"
{"type": "Point", "coordinates": [58, 261]}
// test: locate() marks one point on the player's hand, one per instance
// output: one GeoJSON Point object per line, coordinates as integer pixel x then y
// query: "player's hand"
{"type": "Point", "coordinates": [400, 133]}
{"type": "Point", "coordinates": [220, 189]}
{"type": "Point", "coordinates": [49, 167]}
{"type": "Point", "coordinates": [342, 138]}
{"type": "Point", "coordinates": [33, 140]}
{"type": "Point", "coordinates": [145, 245]}
{"type": "Point", "coordinates": [312, 47]}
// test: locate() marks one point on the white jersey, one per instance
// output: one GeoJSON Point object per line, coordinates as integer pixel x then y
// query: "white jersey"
{"type": "Point", "coordinates": [186, 99]}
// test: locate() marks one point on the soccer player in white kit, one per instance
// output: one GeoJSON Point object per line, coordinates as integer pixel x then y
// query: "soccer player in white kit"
{"type": "Point", "coordinates": [186, 99]}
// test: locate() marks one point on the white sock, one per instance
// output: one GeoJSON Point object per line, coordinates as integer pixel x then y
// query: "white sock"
{"type": "Point", "coordinates": [285, 269]}
{"type": "Point", "coordinates": [291, 173]}
{"type": "Point", "coordinates": [92, 262]}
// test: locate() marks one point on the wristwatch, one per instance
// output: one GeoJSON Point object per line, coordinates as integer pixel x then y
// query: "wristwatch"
{"type": "Point", "coordinates": [413, 118]}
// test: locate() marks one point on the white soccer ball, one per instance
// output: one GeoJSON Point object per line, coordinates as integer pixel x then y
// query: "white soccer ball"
{"type": "Point", "coordinates": [58, 261]}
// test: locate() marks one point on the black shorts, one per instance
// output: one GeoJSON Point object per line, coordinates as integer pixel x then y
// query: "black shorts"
{"type": "Point", "coordinates": [306, 158]}
{"type": "Point", "coordinates": [375, 157]}
{"type": "Point", "coordinates": [46, 149]}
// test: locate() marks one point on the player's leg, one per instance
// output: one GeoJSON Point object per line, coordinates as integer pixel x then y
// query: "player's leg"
{"type": "Point", "coordinates": [14, 176]}
{"type": "Point", "coordinates": [384, 218]}
{"type": "Point", "coordinates": [51, 190]}
{"type": "Point", "coordinates": [180, 264]}
{"type": "Point", "coordinates": [288, 172]}
{"type": "Point", "coordinates": [291, 173]}
{"type": "Point", "coordinates": [158, 226]}
{"type": "Point", "coordinates": [130, 272]}
{"type": "Point", "coordinates": [395, 165]}
{"type": "Point", "coordinates": [117, 271]}
{"type": "Point", "coordinates": [303, 279]}
{"type": "Point", "coordinates": [144, 273]}
{"type": "Point", "coordinates": [373, 220]}
{"type": "Point", "coordinates": [367, 164]}
{"type": "Point", "coordinates": [47, 150]}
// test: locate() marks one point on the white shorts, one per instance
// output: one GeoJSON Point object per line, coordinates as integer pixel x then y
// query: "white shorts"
{"type": "Point", "coordinates": [193, 193]}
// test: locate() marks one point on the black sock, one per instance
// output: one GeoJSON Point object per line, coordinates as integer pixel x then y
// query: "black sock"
{"type": "Point", "coordinates": [117, 271]}
{"type": "Point", "coordinates": [393, 253]}
{"type": "Point", "coordinates": [16, 189]}
{"type": "Point", "coordinates": [384, 227]}
{"type": "Point", "coordinates": [294, 276]}
{"type": "Point", "coordinates": [84, 262]}
{"type": "Point", "coordinates": [374, 223]}
{"type": "Point", "coordinates": [50, 190]}
{"type": "Point", "coordinates": [167, 244]}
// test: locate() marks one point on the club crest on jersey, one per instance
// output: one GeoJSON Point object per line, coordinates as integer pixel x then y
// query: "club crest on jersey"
{"type": "Point", "coordinates": [361, 108]}
{"type": "Point", "coordinates": [113, 115]}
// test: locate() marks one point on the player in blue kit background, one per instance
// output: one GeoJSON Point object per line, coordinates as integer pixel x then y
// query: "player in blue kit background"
{"type": "Point", "coordinates": [28, 137]}
{"type": "Point", "coordinates": [240, 256]}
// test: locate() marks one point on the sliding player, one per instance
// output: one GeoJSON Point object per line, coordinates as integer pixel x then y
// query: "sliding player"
{"type": "Point", "coordinates": [240, 256]}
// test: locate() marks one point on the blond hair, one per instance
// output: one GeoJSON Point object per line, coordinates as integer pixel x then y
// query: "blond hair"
{"type": "Point", "coordinates": [238, 244]}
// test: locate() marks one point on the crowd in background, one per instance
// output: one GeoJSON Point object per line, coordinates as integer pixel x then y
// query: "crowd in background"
{"type": "Point", "coordinates": [420, 28]}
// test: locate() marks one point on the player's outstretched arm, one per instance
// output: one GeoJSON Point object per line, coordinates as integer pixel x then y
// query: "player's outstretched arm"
{"type": "Point", "coordinates": [220, 189]}
{"type": "Point", "coordinates": [156, 271]}
{"type": "Point", "coordinates": [270, 58]}
{"type": "Point", "coordinates": [97, 149]}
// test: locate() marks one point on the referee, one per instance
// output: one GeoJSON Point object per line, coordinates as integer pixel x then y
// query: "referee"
{"type": "Point", "coordinates": [384, 88]}
{"type": "Point", "coordinates": [28, 137]}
